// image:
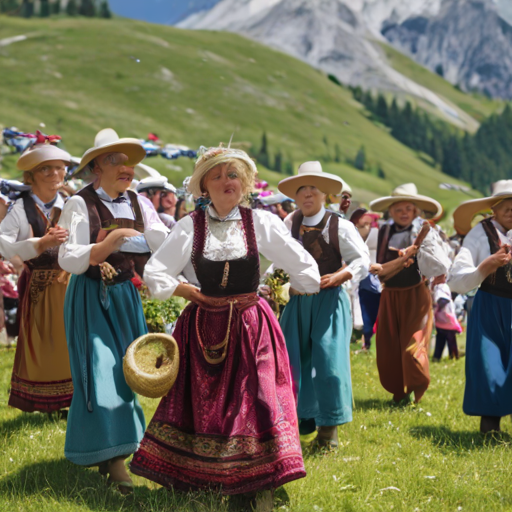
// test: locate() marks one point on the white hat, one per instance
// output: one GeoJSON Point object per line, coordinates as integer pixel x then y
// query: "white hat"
{"type": "Point", "coordinates": [40, 153]}
{"type": "Point", "coordinates": [311, 174]}
{"type": "Point", "coordinates": [409, 193]}
{"type": "Point", "coordinates": [108, 141]}
{"type": "Point", "coordinates": [145, 171]}
{"type": "Point", "coordinates": [464, 213]}
{"type": "Point", "coordinates": [158, 182]}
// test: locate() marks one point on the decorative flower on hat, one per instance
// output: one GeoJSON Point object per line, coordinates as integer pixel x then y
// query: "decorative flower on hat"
{"type": "Point", "coordinates": [41, 138]}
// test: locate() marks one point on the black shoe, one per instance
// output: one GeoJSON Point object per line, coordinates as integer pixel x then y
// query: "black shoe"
{"type": "Point", "coordinates": [490, 424]}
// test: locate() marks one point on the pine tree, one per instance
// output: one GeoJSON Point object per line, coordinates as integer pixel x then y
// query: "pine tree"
{"type": "Point", "coordinates": [278, 162]}
{"type": "Point", "coordinates": [27, 8]}
{"type": "Point", "coordinates": [381, 109]}
{"type": "Point", "coordinates": [380, 172]}
{"type": "Point", "coordinates": [87, 8]}
{"type": "Point", "coordinates": [288, 167]}
{"type": "Point", "coordinates": [360, 160]}
{"type": "Point", "coordinates": [337, 153]}
{"type": "Point", "coordinates": [9, 6]}
{"type": "Point", "coordinates": [56, 7]}
{"type": "Point", "coordinates": [105, 10]}
{"type": "Point", "coordinates": [71, 8]}
{"type": "Point", "coordinates": [263, 157]}
{"type": "Point", "coordinates": [44, 11]}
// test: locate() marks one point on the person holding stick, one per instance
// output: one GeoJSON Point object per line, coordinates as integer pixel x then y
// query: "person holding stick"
{"type": "Point", "coordinates": [408, 251]}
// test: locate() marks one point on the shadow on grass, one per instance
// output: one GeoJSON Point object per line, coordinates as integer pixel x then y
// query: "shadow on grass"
{"type": "Point", "coordinates": [460, 440]}
{"type": "Point", "coordinates": [369, 404]}
{"type": "Point", "coordinates": [26, 419]}
{"type": "Point", "coordinates": [62, 481]}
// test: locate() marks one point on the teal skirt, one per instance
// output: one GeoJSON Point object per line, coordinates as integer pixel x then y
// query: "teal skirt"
{"type": "Point", "coordinates": [105, 419]}
{"type": "Point", "coordinates": [317, 330]}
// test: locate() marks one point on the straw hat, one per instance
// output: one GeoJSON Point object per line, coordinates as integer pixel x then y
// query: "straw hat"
{"type": "Point", "coordinates": [409, 193]}
{"type": "Point", "coordinates": [464, 214]}
{"type": "Point", "coordinates": [311, 174]}
{"type": "Point", "coordinates": [210, 158]}
{"type": "Point", "coordinates": [40, 153]}
{"type": "Point", "coordinates": [107, 141]}
{"type": "Point", "coordinates": [151, 365]}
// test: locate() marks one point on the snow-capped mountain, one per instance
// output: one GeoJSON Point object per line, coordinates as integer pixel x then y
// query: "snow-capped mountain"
{"type": "Point", "coordinates": [467, 39]}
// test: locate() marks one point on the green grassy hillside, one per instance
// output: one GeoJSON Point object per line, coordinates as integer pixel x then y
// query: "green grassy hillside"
{"type": "Point", "coordinates": [77, 76]}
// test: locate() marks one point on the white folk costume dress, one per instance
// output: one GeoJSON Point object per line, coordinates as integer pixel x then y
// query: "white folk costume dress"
{"type": "Point", "coordinates": [318, 328]}
{"type": "Point", "coordinates": [404, 324]}
{"type": "Point", "coordinates": [105, 419]}
{"type": "Point", "coordinates": [41, 378]}
{"type": "Point", "coordinates": [229, 423]}
{"type": "Point", "coordinates": [489, 334]}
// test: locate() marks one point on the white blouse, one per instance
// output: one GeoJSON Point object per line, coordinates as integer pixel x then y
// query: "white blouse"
{"type": "Point", "coordinates": [354, 250]}
{"type": "Point", "coordinates": [226, 241]}
{"type": "Point", "coordinates": [464, 275]}
{"type": "Point", "coordinates": [16, 235]}
{"type": "Point", "coordinates": [75, 254]}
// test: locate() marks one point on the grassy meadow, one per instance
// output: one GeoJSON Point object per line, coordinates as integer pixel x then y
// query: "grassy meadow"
{"type": "Point", "coordinates": [78, 76]}
{"type": "Point", "coordinates": [424, 458]}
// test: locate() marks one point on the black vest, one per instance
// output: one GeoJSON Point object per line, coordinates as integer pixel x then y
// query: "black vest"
{"type": "Point", "coordinates": [327, 255]}
{"type": "Point", "coordinates": [100, 217]}
{"type": "Point", "coordinates": [500, 282]}
{"type": "Point", "coordinates": [407, 277]}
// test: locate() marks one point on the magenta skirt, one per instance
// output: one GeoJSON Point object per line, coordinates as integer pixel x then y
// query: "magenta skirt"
{"type": "Point", "coordinates": [231, 425]}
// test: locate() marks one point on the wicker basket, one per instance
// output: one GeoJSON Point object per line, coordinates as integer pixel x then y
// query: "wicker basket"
{"type": "Point", "coordinates": [151, 365]}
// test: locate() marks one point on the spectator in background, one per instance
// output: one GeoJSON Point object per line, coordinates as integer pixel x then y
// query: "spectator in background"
{"type": "Point", "coordinates": [162, 195]}
{"type": "Point", "coordinates": [445, 318]}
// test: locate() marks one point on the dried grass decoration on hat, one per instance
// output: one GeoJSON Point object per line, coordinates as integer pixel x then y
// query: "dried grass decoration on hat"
{"type": "Point", "coordinates": [43, 150]}
{"type": "Point", "coordinates": [151, 365]}
{"type": "Point", "coordinates": [212, 157]}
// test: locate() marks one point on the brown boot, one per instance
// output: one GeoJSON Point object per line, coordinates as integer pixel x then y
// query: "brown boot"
{"type": "Point", "coordinates": [328, 437]}
{"type": "Point", "coordinates": [489, 424]}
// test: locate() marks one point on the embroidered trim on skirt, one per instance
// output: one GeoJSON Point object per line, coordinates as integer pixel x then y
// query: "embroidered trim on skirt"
{"type": "Point", "coordinates": [41, 378]}
{"type": "Point", "coordinates": [230, 426]}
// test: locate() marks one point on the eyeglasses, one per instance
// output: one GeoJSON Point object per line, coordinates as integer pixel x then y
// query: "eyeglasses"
{"type": "Point", "coordinates": [165, 193]}
{"type": "Point", "coordinates": [48, 170]}
{"type": "Point", "coordinates": [115, 159]}
{"type": "Point", "coordinates": [345, 197]}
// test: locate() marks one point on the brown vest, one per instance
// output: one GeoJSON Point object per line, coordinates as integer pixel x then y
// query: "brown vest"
{"type": "Point", "coordinates": [500, 282]}
{"type": "Point", "coordinates": [48, 260]}
{"type": "Point", "coordinates": [327, 255]}
{"type": "Point", "coordinates": [407, 277]}
{"type": "Point", "coordinates": [100, 217]}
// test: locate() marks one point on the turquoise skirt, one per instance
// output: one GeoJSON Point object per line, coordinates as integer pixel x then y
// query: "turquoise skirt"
{"type": "Point", "coordinates": [105, 419]}
{"type": "Point", "coordinates": [317, 330]}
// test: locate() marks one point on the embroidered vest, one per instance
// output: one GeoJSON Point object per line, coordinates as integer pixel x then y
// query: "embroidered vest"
{"type": "Point", "coordinates": [224, 278]}
{"type": "Point", "coordinates": [500, 282]}
{"type": "Point", "coordinates": [408, 276]}
{"type": "Point", "coordinates": [48, 260]}
{"type": "Point", "coordinates": [327, 255]}
{"type": "Point", "coordinates": [100, 217]}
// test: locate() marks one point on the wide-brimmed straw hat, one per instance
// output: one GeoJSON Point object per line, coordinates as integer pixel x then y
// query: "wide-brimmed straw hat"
{"type": "Point", "coordinates": [210, 158]}
{"type": "Point", "coordinates": [311, 174]}
{"type": "Point", "coordinates": [108, 141]}
{"type": "Point", "coordinates": [464, 213]}
{"type": "Point", "coordinates": [408, 192]}
{"type": "Point", "coordinates": [39, 154]}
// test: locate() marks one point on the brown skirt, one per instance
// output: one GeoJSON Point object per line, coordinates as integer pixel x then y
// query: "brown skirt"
{"type": "Point", "coordinates": [404, 328]}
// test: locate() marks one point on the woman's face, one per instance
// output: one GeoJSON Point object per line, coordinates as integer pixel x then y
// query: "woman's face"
{"type": "Point", "coordinates": [364, 225]}
{"type": "Point", "coordinates": [224, 186]}
{"type": "Point", "coordinates": [403, 213]}
{"type": "Point", "coordinates": [503, 214]}
{"type": "Point", "coordinates": [49, 176]}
